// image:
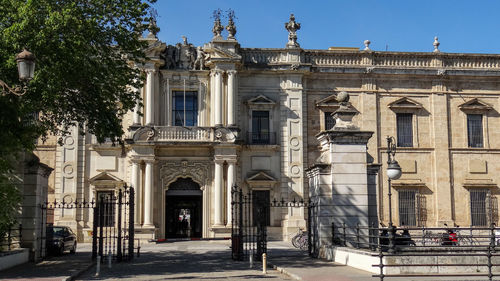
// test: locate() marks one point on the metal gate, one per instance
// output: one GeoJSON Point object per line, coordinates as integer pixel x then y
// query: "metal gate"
{"type": "Point", "coordinates": [112, 214]}
{"type": "Point", "coordinates": [250, 218]}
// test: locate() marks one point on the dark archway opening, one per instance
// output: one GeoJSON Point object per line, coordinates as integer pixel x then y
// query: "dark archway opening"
{"type": "Point", "coordinates": [184, 207]}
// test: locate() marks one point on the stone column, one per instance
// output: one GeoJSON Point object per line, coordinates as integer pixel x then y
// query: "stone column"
{"type": "Point", "coordinates": [218, 97]}
{"type": "Point", "coordinates": [231, 177]}
{"type": "Point", "coordinates": [137, 116]}
{"type": "Point", "coordinates": [218, 193]}
{"type": "Point", "coordinates": [148, 194]}
{"type": "Point", "coordinates": [150, 86]}
{"type": "Point", "coordinates": [136, 184]}
{"type": "Point", "coordinates": [231, 95]}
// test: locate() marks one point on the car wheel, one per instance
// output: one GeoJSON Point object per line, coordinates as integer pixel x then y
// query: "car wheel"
{"type": "Point", "coordinates": [73, 250]}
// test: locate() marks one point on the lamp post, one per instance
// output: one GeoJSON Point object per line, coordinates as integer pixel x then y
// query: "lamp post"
{"type": "Point", "coordinates": [393, 173]}
{"type": "Point", "coordinates": [26, 69]}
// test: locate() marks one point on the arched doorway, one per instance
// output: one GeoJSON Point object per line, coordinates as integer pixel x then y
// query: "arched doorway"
{"type": "Point", "coordinates": [183, 212]}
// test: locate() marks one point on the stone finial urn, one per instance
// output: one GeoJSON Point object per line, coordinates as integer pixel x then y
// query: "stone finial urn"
{"type": "Point", "coordinates": [218, 27]}
{"type": "Point", "coordinates": [292, 26]}
{"type": "Point", "coordinates": [231, 27]}
{"type": "Point", "coordinates": [344, 114]}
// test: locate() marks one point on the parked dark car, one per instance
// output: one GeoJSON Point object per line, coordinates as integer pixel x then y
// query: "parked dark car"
{"type": "Point", "coordinates": [60, 239]}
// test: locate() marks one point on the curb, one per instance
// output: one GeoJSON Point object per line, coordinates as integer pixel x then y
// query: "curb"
{"type": "Point", "coordinates": [284, 271]}
{"type": "Point", "coordinates": [77, 273]}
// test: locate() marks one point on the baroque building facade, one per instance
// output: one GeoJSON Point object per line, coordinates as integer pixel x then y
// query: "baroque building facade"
{"type": "Point", "coordinates": [220, 115]}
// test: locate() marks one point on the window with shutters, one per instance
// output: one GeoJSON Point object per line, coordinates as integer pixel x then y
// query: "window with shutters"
{"type": "Point", "coordinates": [412, 208]}
{"type": "Point", "coordinates": [404, 123]}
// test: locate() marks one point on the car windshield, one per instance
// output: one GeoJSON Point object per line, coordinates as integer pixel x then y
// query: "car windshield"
{"type": "Point", "coordinates": [55, 231]}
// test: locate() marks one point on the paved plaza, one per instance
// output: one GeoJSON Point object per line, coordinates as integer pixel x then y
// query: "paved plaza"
{"type": "Point", "coordinates": [195, 260]}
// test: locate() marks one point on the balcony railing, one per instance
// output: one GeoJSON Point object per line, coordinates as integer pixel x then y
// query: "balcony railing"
{"type": "Point", "coordinates": [261, 138]}
{"type": "Point", "coordinates": [188, 134]}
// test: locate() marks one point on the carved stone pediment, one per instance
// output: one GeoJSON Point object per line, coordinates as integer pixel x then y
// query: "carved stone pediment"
{"type": "Point", "coordinates": [198, 171]}
{"type": "Point", "coordinates": [329, 102]}
{"type": "Point", "coordinates": [475, 104]}
{"type": "Point", "coordinates": [106, 179]}
{"type": "Point", "coordinates": [261, 179]}
{"type": "Point", "coordinates": [260, 100]}
{"type": "Point", "coordinates": [405, 104]}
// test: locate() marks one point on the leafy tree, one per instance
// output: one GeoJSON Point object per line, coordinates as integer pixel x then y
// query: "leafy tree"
{"type": "Point", "coordinates": [85, 52]}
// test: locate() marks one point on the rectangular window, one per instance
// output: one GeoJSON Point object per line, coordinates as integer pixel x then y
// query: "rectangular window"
{"type": "Point", "coordinates": [412, 208]}
{"type": "Point", "coordinates": [260, 127]}
{"type": "Point", "coordinates": [261, 207]}
{"type": "Point", "coordinates": [185, 108]}
{"type": "Point", "coordinates": [475, 130]}
{"type": "Point", "coordinates": [405, 129]}
{"type": "Point", "coordinates": [483, 207]}
{"type": "Point", "coordinates": [107, 201]}
{"type": "Point", "coordinates": [329, 121]}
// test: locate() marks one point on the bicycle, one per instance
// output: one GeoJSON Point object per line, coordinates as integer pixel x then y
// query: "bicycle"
{"type": "Point", "coordinates": [468, 240]}
{"type": "Point", "coordinates": [430, 238]}
{"type": "Point", "coordinates": [300, 240]}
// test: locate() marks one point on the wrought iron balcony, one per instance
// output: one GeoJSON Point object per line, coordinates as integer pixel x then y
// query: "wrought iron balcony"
{"type": "Point", "coordinates": [261, 138]}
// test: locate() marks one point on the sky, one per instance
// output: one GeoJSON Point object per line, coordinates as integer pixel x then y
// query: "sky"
{"type": "Point", "coordinates": [395, 25]}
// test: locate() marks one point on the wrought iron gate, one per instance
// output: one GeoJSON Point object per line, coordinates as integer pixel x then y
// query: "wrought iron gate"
{"type": "Point", "coordinates": [250, 219]}
{"type": "Point", "coordinates": [112, 216]}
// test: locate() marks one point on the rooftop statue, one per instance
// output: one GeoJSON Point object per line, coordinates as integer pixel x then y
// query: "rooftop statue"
{"type": "Point", "coordinates": [292, 28]}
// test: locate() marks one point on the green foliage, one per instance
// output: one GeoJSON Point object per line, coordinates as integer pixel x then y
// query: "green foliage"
{"type": "Point", "coordinates": [9, 203]}
{"type": "Point", "coordinates": [85, 52]}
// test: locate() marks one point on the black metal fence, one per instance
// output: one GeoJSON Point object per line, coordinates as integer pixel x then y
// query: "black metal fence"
{"type": "Point", "coordinates": [112, 216]}
{"type": "Point", "coordinates": [251, 215]}
{"type": "Point", "coordinates": [426, 252]}
{"type": "Point", "coordinates": [12, 238]}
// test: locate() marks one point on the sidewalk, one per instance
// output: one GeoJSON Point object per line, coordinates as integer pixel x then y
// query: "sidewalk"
{"type": "Point", "coordinates": [58, 268]}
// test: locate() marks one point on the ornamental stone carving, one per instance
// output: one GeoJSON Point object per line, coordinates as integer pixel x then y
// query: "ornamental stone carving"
{"type": "Point", "coordinates": [184, 56]}
{"type": "Point", "coordinates": [144, 134]}
{"type": "Point", "coordinates": [292, 28]}
{"type": "Point", "coordinates": [218, 27]}
{"type": "Point", "coordinates": [231, 28]}
{"type": "Point", "coordinates": [199, 171]}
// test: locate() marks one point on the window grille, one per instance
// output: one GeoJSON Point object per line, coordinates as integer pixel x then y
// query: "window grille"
{"type": "Point", "coordinates": [405, 129]}
{"type": "Point", "coordinates": [329, 121]}
{"type": "Point", "coordinates": [475, 130]}
{"type": "Point", "coordinates": [412, 208]}
{"type": "Point", "coordinates": [483, 207]}
{"type": "Point", "coordinates": [185, 108]}
{"type": "Point", "coordinates": [109, 200]}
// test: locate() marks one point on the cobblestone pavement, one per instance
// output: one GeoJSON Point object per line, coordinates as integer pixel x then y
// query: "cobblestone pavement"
{"type": "Point", "coordinates": [191, 260]}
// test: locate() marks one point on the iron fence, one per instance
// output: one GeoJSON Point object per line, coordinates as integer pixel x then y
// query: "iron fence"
{"type": "Point", "coordinates": [251, 213]}
{"type": "Point", "coordinates": [426, 252]}
{"type": "Point", "coordinates": [12, 238]}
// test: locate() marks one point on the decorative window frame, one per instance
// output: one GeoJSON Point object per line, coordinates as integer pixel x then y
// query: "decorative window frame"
{"type": "Point", "coordinates": [261, 103]}
{"type": "Point", "coordinates": [265, 182]}
{"type": "Point", "coordinates": [421, 189]}
{"type": "Point", "coordinates": [407, 105]}
{"type": "Point", "coordinates": [328, 104]}
{"type": "Point", "coordinates": [476, 106]}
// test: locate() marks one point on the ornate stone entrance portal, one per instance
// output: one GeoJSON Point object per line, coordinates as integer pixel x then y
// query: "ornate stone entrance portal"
{"type": "Point", "coordinates": [183, 210]}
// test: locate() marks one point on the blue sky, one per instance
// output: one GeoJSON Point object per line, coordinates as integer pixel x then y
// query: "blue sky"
{"type": "Point", "coordinates": [462, 26]}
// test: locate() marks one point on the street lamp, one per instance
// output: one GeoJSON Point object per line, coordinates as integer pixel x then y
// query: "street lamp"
{"type": "Point", "coordinates": [393, 173]}
{"type": "Point", "coordinates": [26, 69]}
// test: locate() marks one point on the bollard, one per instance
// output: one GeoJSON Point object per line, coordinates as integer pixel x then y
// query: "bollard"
{"type": "Point", "coordinates": [264, 263]}
{"type": "Point", "coordinates": [251, 259]}
{"type": "Point", "coordinates": [109, 259]}
{"type": "Point", "coordinates": [98, 266]}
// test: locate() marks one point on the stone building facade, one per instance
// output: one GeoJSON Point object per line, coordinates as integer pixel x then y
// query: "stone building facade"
{"type": "Point", "coordinates": [221, 114]}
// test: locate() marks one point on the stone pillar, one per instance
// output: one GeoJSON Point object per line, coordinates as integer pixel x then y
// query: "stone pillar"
{"type": "Point", "coordinates": [218, 194]}
{"type": "Point", "coordinates": [231, 95]}
{"type": "Point", "coordinates": [218, 97]}
{"type": "Point", "coordinates": [150, 88]}
{"type": "Point", "coordinates": [136, 184]}
{"type": "Point", "coordinates": [148, 194]}
{"type": "Point", "coordinates": [34, 193]}
{"type": "Point", "coordinates": [343, 194]}
{"type": "Point", "coordinates": [231, 177]}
